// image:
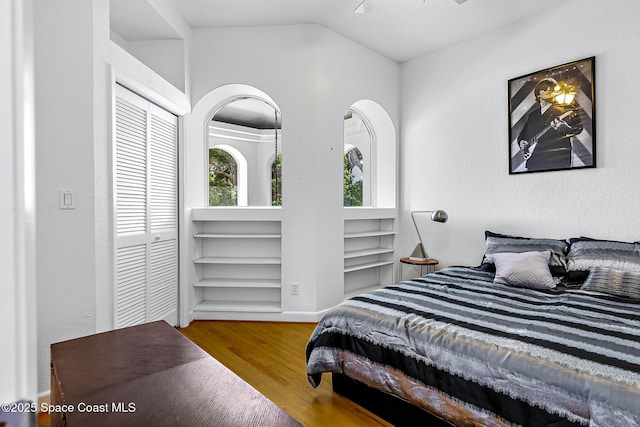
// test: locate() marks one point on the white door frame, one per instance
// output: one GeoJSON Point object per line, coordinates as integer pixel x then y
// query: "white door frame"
{"type": "Point", "coordinates": [18, 324]}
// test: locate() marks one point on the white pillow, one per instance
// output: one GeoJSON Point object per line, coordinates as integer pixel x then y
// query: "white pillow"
{"type": "Point", "coordinates": [524, 269]}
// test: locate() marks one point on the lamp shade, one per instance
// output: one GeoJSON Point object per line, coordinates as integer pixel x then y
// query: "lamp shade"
{"type": "Point", "coordinates": [439, 216]}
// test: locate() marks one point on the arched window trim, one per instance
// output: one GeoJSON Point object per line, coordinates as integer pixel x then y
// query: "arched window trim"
{"type": "Point", "coordinates": [240, 97]}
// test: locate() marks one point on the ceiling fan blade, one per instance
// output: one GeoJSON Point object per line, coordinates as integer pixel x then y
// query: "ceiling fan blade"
{"type": "Point", "coordinates": [460, 1]}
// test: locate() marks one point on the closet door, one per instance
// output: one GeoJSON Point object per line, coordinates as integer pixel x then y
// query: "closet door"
{"type": "Point", "coordinates": [146, 217]}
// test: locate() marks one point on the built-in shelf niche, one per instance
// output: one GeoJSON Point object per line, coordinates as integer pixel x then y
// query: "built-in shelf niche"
{"type": "Point", "coordinates": [369, 249]}
{"type": "Point", "coordinates": [237, 260]}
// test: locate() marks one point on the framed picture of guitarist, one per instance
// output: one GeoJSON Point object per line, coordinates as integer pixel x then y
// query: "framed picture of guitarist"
{"type": "Point", "coordinates": [552, 119]}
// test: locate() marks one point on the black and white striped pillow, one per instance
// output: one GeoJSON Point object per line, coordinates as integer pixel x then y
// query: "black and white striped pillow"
{"type": "Point", "coordinates": [614, 282]}
{"type": "Point", "coordinates": [586, 253]}
{"type": "Point", "coordinates": [501, 243]}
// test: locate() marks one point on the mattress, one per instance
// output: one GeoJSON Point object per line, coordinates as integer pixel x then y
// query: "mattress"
{"type": "Point", "coordinates": [475, 352]}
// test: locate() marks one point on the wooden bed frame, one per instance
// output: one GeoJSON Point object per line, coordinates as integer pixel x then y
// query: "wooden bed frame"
{"type": "Point", "coordinates": [388, 407]}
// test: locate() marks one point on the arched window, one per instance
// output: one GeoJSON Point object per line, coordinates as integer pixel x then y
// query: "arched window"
{"type": "Point", "coordinates": [353, 177]}
{"type": "Point", "coordinates": [369, 156]}
{"type": "Point", "coordinates": [223, 178]}
{"type": "Point", "coordinates": [248, 126]}
{"type": "Point", "coordinates": [358, 161]}
{"type": "Point", "coordinates": [276, 181]}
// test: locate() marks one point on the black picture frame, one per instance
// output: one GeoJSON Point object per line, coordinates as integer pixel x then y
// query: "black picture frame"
{"type": "Point", "coordinates": [537, 142]}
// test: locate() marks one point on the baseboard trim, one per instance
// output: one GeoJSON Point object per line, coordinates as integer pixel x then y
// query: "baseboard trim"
{"type": "Point", "coordinates": [285, 316]}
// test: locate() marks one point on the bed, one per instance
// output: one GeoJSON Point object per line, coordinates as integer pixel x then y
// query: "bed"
{"type": "Point", "coordinates": [544, 332]}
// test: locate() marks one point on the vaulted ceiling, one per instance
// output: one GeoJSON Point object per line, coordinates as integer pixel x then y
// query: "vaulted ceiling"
{"type": "Point", "coordinates": [398, 29]}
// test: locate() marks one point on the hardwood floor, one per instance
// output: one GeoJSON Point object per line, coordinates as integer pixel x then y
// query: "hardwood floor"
{"type": "Point", "coordinates": [271, 357]}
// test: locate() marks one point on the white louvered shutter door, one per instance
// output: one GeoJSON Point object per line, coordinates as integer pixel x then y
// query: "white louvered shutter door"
{"type": "Point", "coordinates": [146, 211]}
{"type": "Point", "coordinates": [163, 292]}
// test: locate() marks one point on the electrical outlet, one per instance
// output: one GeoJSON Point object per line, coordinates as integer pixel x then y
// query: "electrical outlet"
{"type": "Point", "coordinates": [295, 289]}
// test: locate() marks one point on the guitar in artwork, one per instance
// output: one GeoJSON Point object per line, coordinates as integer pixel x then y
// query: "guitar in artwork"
{"type": "Point", "coordinates": [529, 146]}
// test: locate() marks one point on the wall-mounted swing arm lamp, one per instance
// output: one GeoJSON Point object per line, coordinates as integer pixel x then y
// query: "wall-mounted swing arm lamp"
{"type": "Point", "coordinates": [419, 253]}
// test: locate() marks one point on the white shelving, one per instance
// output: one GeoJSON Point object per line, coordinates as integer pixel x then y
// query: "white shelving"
{"type": "Point", "coordinates": [369, 249]}
{"type": "Point", "coordinates": [237, 260]}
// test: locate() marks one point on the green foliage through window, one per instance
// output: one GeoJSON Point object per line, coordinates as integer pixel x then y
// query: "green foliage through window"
{"type": "Point", "coordinates": [223, 178]}
{"type": "Point", "coordinates": [353, 178]}
{"type": "Point", "coordinates": [276, 182]}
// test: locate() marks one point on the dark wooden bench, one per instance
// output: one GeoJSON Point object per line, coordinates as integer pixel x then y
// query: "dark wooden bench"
{"type": "Point", "coordinates": [151, 375]}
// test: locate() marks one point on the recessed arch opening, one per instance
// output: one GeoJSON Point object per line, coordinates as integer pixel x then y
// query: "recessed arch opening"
{"type": "Point", "coordinates": [247, 120]}
{"type": "Point", "coordinates": [369, 156]}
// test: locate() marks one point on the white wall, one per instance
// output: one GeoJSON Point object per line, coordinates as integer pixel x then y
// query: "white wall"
{"type": "Point", "coordinates": [455, 135]}
{"type": "Point", "coordinates": [165, 57]}
{"type": "Point", "coordinates": [76, 66]}
{"type": "Point", "coordinates": [67, 103]}
{"type": "Point", "coordinates": [313, 76]}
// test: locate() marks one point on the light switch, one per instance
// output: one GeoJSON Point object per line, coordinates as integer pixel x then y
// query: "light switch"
{"type": "Point", "coordinates": [67, 199]}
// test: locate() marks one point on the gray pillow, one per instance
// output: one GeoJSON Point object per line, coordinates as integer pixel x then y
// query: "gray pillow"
{"type": "Point", "coordinates": [524, 269]}
{"type": "Point", "coordinates": [587, 253]}
{"type": "Point", "coordinates": [614, 282]}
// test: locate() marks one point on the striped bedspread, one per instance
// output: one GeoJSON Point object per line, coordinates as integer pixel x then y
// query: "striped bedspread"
{"type": "Point", "coordinates": [479, 353]}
